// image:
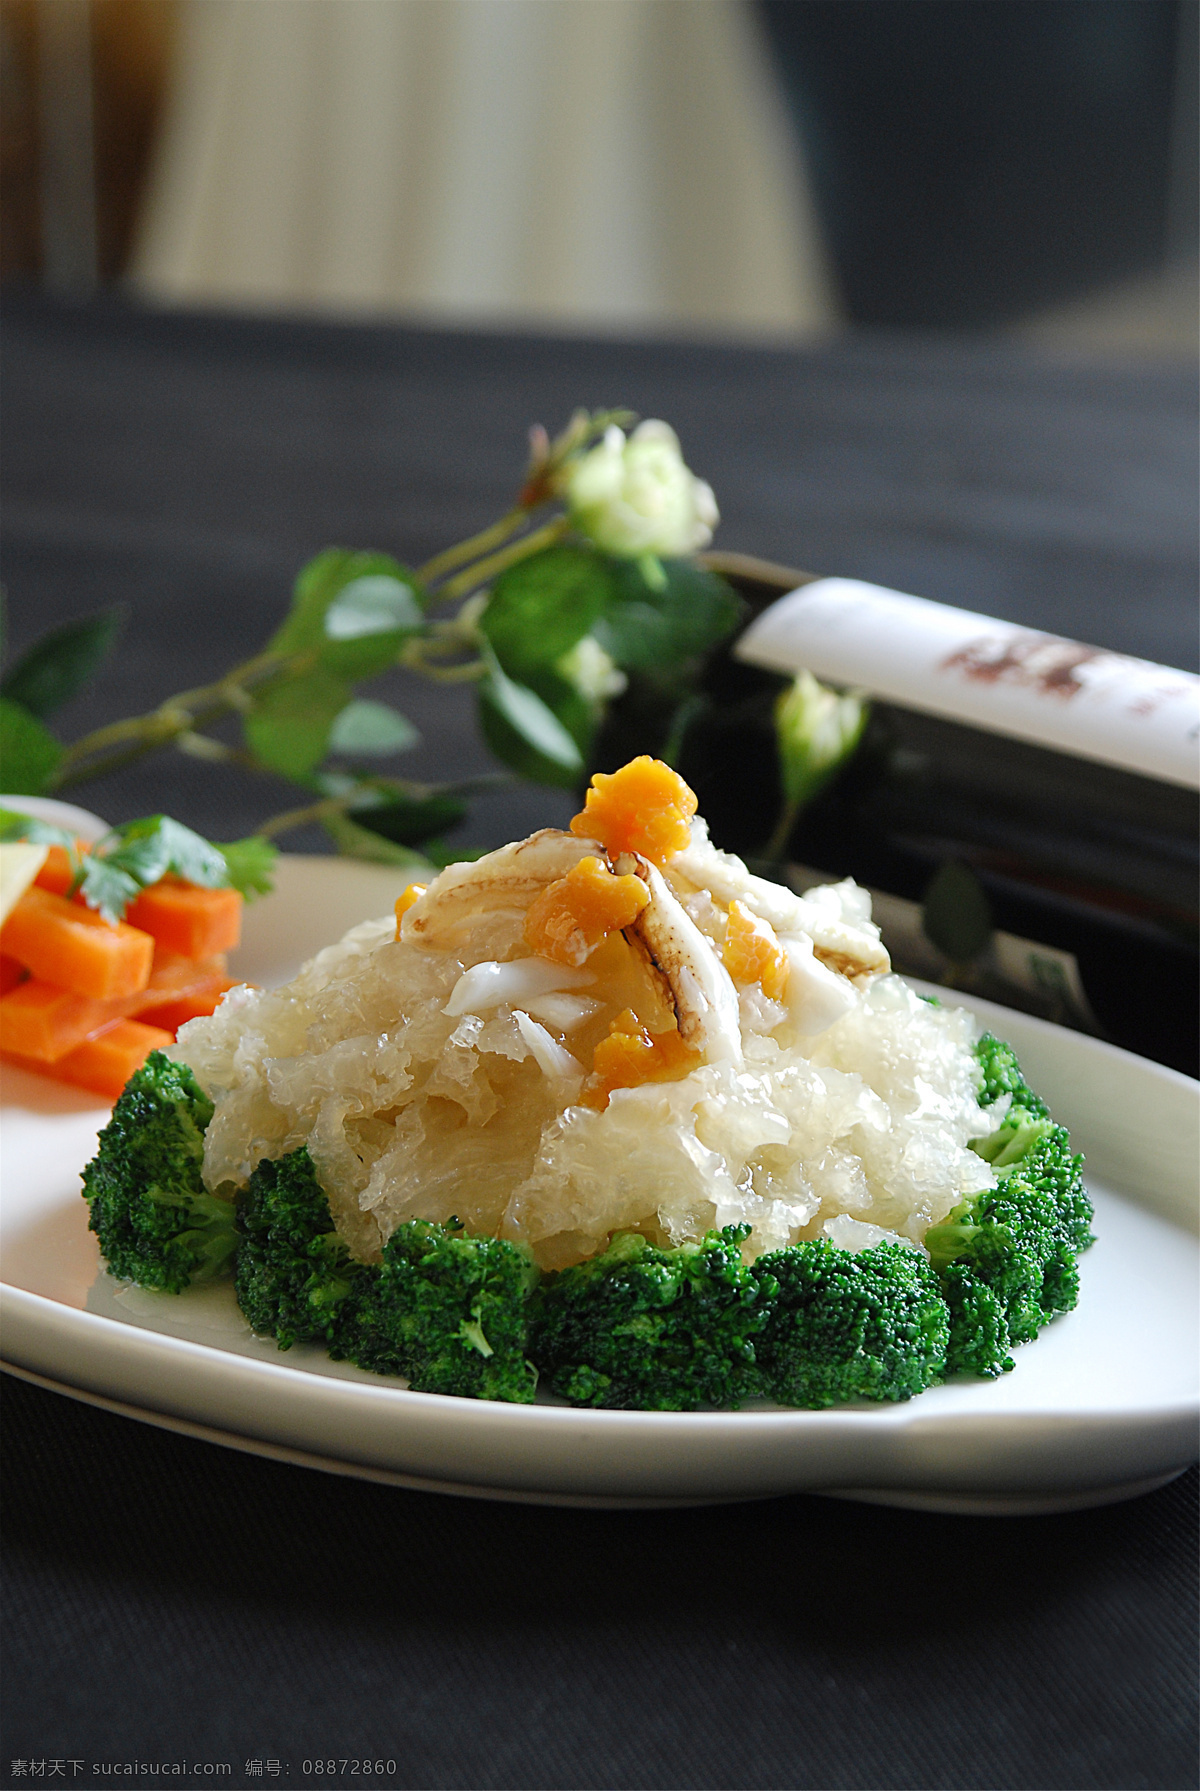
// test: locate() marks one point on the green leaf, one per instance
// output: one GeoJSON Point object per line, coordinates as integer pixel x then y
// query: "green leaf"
{"type": "Point", "coordinates": [956, 916]}
{"type": "Point", "coordinates": [16, 826]}
{"type": "Point", "coordinates": [524, 714]}
{"type": "Point", "coordinates": [292, 719]}
{"type": "Point", "coordinates": [574, 713]}
{"type": "Point", "coordinates": [381, 609]}
{"type": "Point", "coordinates": [539, 608]}
{"type": "Point", "coordinates": [410, 823]}
{"type": "Point", "coordinates": [138, 854]}
{"type": "Point", "coordinates": [157, 846]}
{"type": "Point", "coordinates": [658, 630]}
{"type": "Point", "coordinates": [29, 753]}
{"type": "Point", "coordinates": [380, 603]}
{"type": "Point", "coordinates": [359, 842]}
{"type": "Point", "coordinates": [250, 864]}
{"type": "Point", "coordinates": [108, 887]}
{"type": "Point", "coordinates": [366, 727]}
{"type": "Point", "coordinates": [58, 665]}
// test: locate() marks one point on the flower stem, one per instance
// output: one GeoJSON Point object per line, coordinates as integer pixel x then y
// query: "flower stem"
{"type": "Point", "coordinates": [472, 549]}
{"type": "Point", "coordinates": [180, 715]}
{"type": "Point", "coordinates": [484, 570]}
{"type": "Point", "coordinates": [777, 844]}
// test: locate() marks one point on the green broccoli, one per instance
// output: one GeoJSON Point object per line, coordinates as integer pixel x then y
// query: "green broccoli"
{"type": "Point", "coordinates": [156, 1222]}
{"type": "Point", "coordinates": [444, 1310]}
{"type": "Point", "coordinates": [638, 1326]}
{"type": "Point", "coordinates": [654, 1329]}
{"type": "Point", "coordinates": [448, 1311]}
{"type": "Point", "coordinates": [1007, 1256]}
{"type": "Point", "coordinates": [1002, 1076]}
{"type": "Point", "coordinates": [843, 1325]}
{"type": "Point", "coordinates": [294, 1276]}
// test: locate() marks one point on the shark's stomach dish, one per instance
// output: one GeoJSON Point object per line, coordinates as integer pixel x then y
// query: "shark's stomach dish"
{"type": "Point", "coordinates": [593, 1053]}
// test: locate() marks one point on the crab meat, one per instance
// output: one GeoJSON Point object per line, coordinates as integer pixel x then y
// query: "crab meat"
{"type": "Point", "coordinates": [553, 1059]}
{"type": "Point", "coordinates": [702, 991]}
{"type": "Point", "coordinates": [502, 882]}
{"type": "Point", "coordinates": [835, 917]}
{"type": "Point", "coordinates": [515, 983]}
{"type": "Point", "coordinates": [815, 995]}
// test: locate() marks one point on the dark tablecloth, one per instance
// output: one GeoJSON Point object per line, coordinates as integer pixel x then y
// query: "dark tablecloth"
{"type": "Point", "coordinates": [169, 1601]}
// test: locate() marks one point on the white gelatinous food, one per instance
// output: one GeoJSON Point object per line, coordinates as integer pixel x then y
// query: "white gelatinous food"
{"type": "Point", "coordinates": [444, 1074]}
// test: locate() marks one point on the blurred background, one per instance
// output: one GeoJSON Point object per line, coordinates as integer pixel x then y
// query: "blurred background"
{"type": "Point", "coordinates": [749, 169]}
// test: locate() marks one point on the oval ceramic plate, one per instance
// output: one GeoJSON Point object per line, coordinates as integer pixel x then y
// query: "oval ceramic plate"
{"type": "Point", "coordinates": [1104, 1405]}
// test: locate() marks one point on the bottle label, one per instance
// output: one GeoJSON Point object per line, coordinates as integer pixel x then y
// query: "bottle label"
{"type": "Point", "coordinates": [989, 674]}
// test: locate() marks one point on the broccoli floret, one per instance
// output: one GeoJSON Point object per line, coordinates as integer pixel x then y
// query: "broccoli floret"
{"type": "Point", "coordinates": [1002, 1076]}
{"type": "Point", "coordinates": [448, 1311]}
{"type": "Point", "coordinates": [294, 1276]}
{"type": "Point", "coordinates": [654, 1329]}
{"type": "Point", "coordinates": [870, 1324]}
{"type": "Point", "coordinates": [156, 1222]}
{"type": "Point", "coordinates": [1007, 1256]}
{"type": "Point", "coordinates": [979, 1337]}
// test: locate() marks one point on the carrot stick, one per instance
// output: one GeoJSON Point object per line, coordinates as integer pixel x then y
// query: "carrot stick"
{"type": "Point", "coordinates": [56, 873]}
{"type": "Point", "coordinates": [171, 1015]}
{"type": "Point", "coordinates": [103, 1065]}
{"type": "Point", "coordinates": [75, 948]}
{"type": "Point", "coordinates": [184, 918]}
{"type": "Point", "coordinates": [41, 1021]}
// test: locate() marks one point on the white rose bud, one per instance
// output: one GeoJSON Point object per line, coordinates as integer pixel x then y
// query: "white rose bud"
{"type": "Point", "coordinates": [817, 729]}
{"type": "Point", "coordinates": [636, 499]}
{"type": "Point", "coordinates": [592, 671]}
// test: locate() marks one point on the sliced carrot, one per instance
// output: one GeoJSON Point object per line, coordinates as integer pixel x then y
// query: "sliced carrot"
{"type": "Point", "coordinates": [76, 948]}
{"type": "Point", "coordinates": [104, 1064]}
{"type": "Point", "coordinates": [56, 874]}
{"type": "Point", "coordinates": [11, 973]}
{"type": "Point", "coordinates": [186, 919]}
{"type": "Point", "coordinates": [40, 1020]}
{"type": "Point", "coordinates": [171, 1015]}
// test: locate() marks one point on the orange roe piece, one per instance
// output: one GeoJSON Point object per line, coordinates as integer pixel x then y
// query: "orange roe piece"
{"type": "Point", "coordinates": [577, 913]}
{"type": "Point", "coordinates": [752, 953]}
{"type": "Point", "coordinates": [631, 1055]}
{"type": "Point", "coordinates": [404, 902]}
{"type": "Point", "coordinates": [644, 807]}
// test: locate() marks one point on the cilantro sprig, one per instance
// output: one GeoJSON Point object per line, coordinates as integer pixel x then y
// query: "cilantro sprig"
{"type": "Point", "coordinates": [138, 854]}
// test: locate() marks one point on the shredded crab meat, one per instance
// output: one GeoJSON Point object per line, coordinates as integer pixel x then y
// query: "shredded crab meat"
{"type": "Point", "coordinates": [454, 1071]}
{"type": "Point", "coordinates": [835, 916]}
{"type": "Point", "coordinates": [702, 991]}
{"type": "Point", "coordinates": [504, 883]}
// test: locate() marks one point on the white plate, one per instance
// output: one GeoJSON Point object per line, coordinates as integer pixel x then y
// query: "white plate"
{"type": "Point", "coordinates": [1102, 1406]}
